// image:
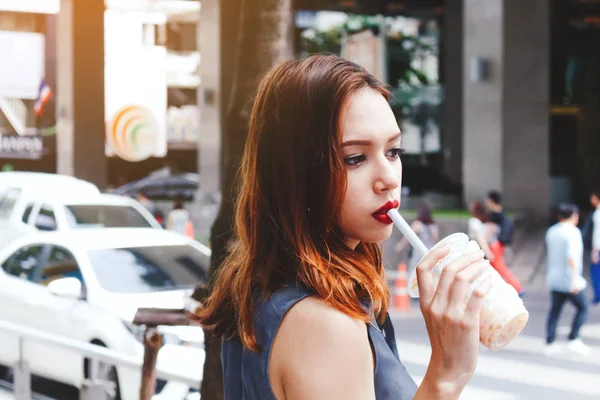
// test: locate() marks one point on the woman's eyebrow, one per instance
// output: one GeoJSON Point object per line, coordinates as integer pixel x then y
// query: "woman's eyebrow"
{"type": "Point", "coordinates": [368, 142]}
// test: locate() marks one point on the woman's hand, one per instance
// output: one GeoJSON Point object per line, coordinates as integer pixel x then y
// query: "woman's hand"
{"type": "Point", "coordinates": [451, 315]}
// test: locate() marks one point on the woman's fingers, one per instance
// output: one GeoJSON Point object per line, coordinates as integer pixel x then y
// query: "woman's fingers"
{"type": "Point", "coordinates": [461, 290]}
{"type": "Point", "coordinates": [424, 272]}
{"type": "Point", "coordinates": [449, 273]}
{"type": "Point", "coordinates": [477, 299]}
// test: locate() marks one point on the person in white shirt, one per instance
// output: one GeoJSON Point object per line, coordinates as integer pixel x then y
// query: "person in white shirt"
{"type": "Point", "coordinates": [485, 233]}
{"type": "Point", "coordinates": [595, 266]}
{"type": "Point", "coordinates": [564, 278]}
{"type": "Point", "coordinates": [178, 218]}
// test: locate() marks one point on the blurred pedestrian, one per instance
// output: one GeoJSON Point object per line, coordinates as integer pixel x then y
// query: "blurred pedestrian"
{"type": "Point", "coordinates": [595, 256]}
{"type": "Point", "coordinates": [504, 222]}
{"type": "Point", "coordinates": [301, 300]}
{"type": "Point", "coordinates": [145, 201]}
{"type": "Point", "coordinates": [142, 197]}
{"type": "Point", "coordinates": [178, 219]}
{"type": "Point", "coordinates": [427, 230]}
{"type": "Point", "coordinates": [485, 233]}
{"type": "Point", "coordinates": [564, 245]}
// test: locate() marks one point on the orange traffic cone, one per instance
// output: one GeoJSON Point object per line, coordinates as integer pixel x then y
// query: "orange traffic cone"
{"type": "Point", "coordinates": [401, 299]}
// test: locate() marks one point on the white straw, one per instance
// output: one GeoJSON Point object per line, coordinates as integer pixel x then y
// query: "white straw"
{"type": "Point", "coordinates": [407, 231]}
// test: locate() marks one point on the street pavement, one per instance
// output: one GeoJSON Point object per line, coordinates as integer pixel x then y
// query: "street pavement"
{"type": "Point", "coordinates": [520, 371]}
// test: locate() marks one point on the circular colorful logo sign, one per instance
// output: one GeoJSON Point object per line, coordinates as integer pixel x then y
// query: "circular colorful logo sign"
{"type": "Point", "coordinates": [132, 133]}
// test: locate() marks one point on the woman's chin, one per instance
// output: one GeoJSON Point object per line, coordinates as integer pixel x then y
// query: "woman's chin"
{"type": "Point", "coordinates": [376, 236]}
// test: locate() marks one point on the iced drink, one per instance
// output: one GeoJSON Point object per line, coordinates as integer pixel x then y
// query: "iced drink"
{"type": "Point", "coordinates": [503, 315]}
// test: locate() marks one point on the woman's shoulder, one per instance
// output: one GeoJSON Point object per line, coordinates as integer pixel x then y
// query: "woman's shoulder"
{"type": "Point", "coordinates": [317, 325]}
{"type": "Point", "coordinates": [317, 312]}
{"type": "Point", "coordinates": [321, 344]}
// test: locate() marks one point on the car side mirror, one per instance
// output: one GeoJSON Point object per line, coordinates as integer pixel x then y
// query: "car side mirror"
{"type": "Point", "coordinates": [69, 288]}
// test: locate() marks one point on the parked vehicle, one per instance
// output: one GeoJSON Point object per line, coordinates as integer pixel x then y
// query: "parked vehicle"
{"type": "Point", "coordinates": [45, 182]}
{"type": "Point", "coordinates": [87, 285]}
{"type": "Point", "coordinates": [26, 209]}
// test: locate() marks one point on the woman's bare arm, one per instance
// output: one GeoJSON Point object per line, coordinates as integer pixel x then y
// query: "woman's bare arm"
{"type": "Point", "coordinates": [483, 243]}
{"type": "Point", "coordinates": [436, 233]}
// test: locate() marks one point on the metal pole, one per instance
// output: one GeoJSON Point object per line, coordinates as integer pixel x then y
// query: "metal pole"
{"type": "Point", "coordinates": [153, 341]}
{"type": "Point", "coordinates": [92, 387]}
{"type": "Point", "coordinates": [22, 375]}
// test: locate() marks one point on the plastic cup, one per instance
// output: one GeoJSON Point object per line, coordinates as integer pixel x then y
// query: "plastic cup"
{"type": "Point", "coordinates": [503, 315]}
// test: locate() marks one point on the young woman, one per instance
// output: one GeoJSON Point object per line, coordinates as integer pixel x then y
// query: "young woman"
{"type": "Point", "coordinates": [485, 232]}
{"type": "Point", "coordinates": [301, 302]}
{"type": "Point", "coordinates": [178, 219]}
{"type": "Point", "coordinates": [426, 229]}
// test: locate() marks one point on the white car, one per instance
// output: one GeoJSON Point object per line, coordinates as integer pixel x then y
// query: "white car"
{"type": "Point", "coordinates": [27, 209]}
{"type": "Point", "coordinates": [45, 181]}
{"type": "Point", "coordinates": [87, 286]}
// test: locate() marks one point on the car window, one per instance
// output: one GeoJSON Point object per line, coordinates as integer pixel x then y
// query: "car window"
{"type": "Point", "coordinates": [61, 264]}
{"type": "Point", "coordinates": [23, 262]}
{"type": "Point", "coordinates": [151, 268]}
{"type": "Point", "coordinates": [46, 220]}
{"type": "Point", "coordinates": [105, 215]}
{"type": "Point", "coordinates": [27, 212]}
{"type": "Point", "coordinates": [8, 201]}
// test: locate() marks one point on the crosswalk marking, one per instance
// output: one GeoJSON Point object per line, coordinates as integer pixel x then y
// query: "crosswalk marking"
{"type": "Point", "coordinates": [591, 331]}
{"type": "Point", "coordinates": [475, 393]}
{"type": "Point", "coordinates": [534, 345]}
{"type": "Point", "coordinates": [576, 382]}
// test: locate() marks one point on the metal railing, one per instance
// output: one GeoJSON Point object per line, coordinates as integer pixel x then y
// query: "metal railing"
{"type": "Point", "coordinates": [93, 388]}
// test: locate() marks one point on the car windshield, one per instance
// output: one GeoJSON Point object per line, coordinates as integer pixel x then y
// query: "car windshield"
{"type": "Point", "coordinates": [104, 215]}
{"type": "Point", "coordinates": [149, 269]}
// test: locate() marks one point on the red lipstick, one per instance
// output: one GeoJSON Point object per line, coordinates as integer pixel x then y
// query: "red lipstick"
{"type": "Point", "coordinates": [381, 213]}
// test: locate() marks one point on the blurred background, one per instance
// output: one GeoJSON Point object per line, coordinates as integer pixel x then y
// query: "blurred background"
{"type": "Point", "coordinates": [113, 130]}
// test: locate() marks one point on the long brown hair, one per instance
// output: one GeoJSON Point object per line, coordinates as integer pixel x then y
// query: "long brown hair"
{"type": "Point", "coordinates": [478, 210]}
{"type": "Point", "coordinates": [293, 181]}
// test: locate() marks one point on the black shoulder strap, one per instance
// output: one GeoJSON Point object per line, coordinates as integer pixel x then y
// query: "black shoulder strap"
{"type": "Point", "coordinates": [390, 336]}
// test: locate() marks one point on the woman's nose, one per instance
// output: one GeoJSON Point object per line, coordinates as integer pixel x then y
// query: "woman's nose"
{"type": "Point", "coordinates": [388, 176]}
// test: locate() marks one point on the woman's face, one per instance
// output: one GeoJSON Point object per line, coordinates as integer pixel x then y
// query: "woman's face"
{"type": "Point", "coordinates": [371, 147]}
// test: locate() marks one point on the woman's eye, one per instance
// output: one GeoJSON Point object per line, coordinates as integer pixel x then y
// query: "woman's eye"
{"type": "Point", "coordinates": [396, 152]}
{"type": "Point", "coordinates": [354, 160]}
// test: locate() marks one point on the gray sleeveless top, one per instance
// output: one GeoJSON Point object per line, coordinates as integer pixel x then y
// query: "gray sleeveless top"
{"type": "Point", "coordinates": [245, 373]}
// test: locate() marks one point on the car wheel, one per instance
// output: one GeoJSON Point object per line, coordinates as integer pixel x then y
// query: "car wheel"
{"type": "Point", "coordinates": [106, 374]}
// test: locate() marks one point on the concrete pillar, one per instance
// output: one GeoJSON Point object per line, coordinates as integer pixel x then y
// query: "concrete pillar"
{"type": "Point", "coordinates": [209, 144]}
{"type": "Point", "coordinates": [505, 113]}
{"type": "Point", "coordinates": [526, 100]}
{"type": "Point", "coordinates": [452, 78]}
{"type": "Point", "coordinates": [80, 83]}
{"type": "Point", "coordinates": [50, 54]}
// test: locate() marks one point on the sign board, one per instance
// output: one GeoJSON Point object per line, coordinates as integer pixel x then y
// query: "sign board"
{"type": "Point", "coordinates": [135, 96]}
{"type": "Point", "coordinates": [22, 65]}
{"type": "Point", "coordinates": [31, 6]}
{"type": "Point", "coordinates": [15, 146]}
